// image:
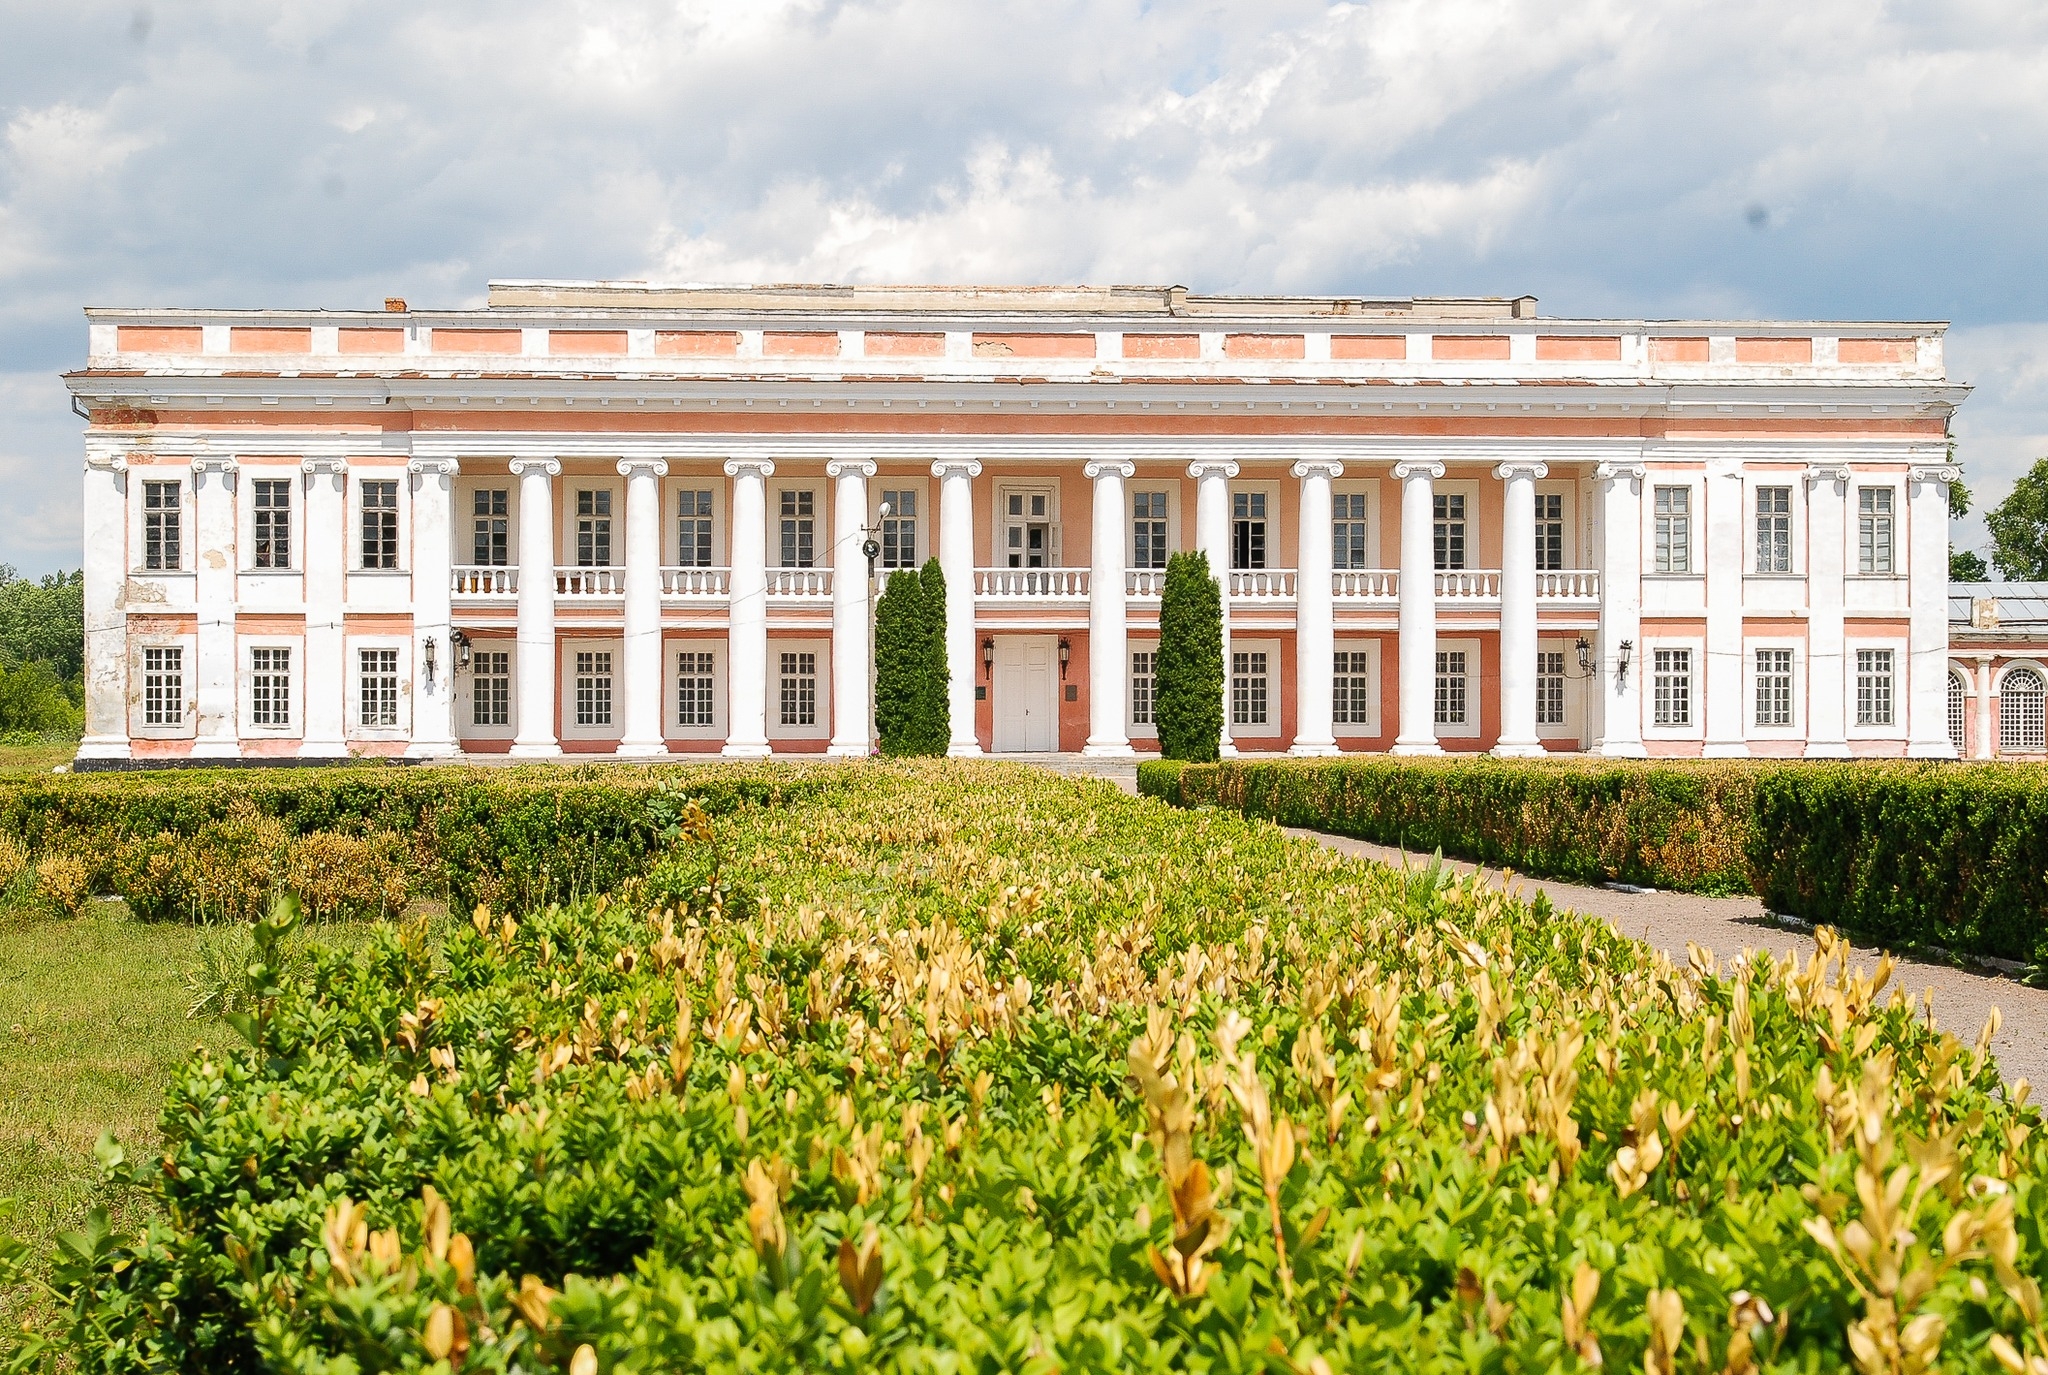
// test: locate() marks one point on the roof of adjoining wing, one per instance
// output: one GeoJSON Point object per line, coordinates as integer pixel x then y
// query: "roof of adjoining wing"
{"type": "Point", "coordinates": [2017, 603]}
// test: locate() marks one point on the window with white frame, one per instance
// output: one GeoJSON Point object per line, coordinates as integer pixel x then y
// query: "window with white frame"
{"type": "Point", "coordinates": [377, 687]}
{"type": "Point", "coordinates": [799, 527]}
{"type": "Point", "coordinates": [1958, 700]}
{"type": "Point", "coordinates": [594, 527]}
{"type": "Point", "coordinates": [1671, 687]}
{"type": "Point", "coordinates": [1549, 687]}
{"type": "Point", "coordinates": [1351, 688]}
{"type": "Point", "coordinates": [1873, 687]}
{"type": "Point", "coordinates": [163, 686]}
{"type": "Point", "coordinates": [1773, 687]}
{"type": "Point", "coordinates": [380, 523]}
{"type": "Point", "coordinates": [1451, 696]}
{"type": "Point", "coordinates": [491, 526]}
{"type": "Point", "coordinates": [1347, 530]}
{"type": "Point", "coordinates": [1673, 513]}
{"type": "Point", "coordinates": [899, 529]}
{"type": "Point", "coordinates": [1873, 529]}
{"type": "Point", "coordinates": [1549, 531]}
{"type": "Point", "coordinates": [270, 686]}
{"type": "Point", "coordinates": [1148, 530]}
{"type": "Point", "coordinates": [1144, 665]}
{"type": "Point", "coordinates": [271, 524]}
{"type": "Point", "coordinates": [490, 687]}
{"type": "Point", "coordinates": [1448, 528]}
{"type": "Point", "coordinates": [696, 699]}
{"type": "Point", "coordinates": [1248, 685]}
{"type": "Point", "coordinates": [1774, 529]}
{"type": "Point", "coordinates": [163, 526]}
{"type": "Point", "coordinates": [2022, 721]}
{"type": "Point", "coordinates": [799, 689]}
{"type": "Point", "coordinates": [1247, 529]}
{"type": "Point", "coordinates": [593, 687]}
{"type": "Point", "coordinates": [693, 529]}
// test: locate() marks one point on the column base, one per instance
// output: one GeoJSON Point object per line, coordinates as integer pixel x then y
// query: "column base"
{"type": "Point", "coordinates": [216, 749]}
{"type": "Point", "coordinates": [1724, 749]}
{"type": "Point", "coordinates": [1109, 749]}
{"type": "Point", "coordinates": [1518, 749]}
{"type": "Point", "coordinates": [736, 749]}
{"type": "Point", "coordinates": [1932, 749]}
{"type": "Point", "coordinates": [1313, 749]}
{"type": "Point", "coordinates": [971, 750]}
{"type": "Point", "coordinates": [1621, 749]}
{"type": "Point", "coordinates": [104, 747]}
{"type": "Point", "coordinates": [432, 749]}
{"type": "Point", "coordinates": [641, 749]}
{"type": "Point", "coordinates": [323, 749]}
{"type": "Point", "coordinates": [535, 749]}
{"type": "Point", "coordinates": [854, 749]}
{"type": "Point", "coordinates": [1416, 748]}
{"type": "Point", "coordinates": [1827, 749]}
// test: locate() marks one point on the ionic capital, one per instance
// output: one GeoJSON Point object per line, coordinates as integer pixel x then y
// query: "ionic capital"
{"type": "Point", "coordinates": [1118, 468]}
{"type": "Point", "coordinates": [1620, 472]}
{"type": "Point", "coordinates": [1939, 472]}
{"type": "Point", "coordinates": [1212, 469]}
{"type": "Point", "coordinates": [550, 467]}
{"type": "Point", "coordinates": [850, 467]}
{"type": "Point", "coordinates": [1521, 467]}
{"type": "Point", "coordinates": [209, 464]}
{"type": "Point", "coordinates": [956, 467]}
{"type": "Point", "coordinates": [1418, 467]}
{"type": "Point", "coordinates": [1827, 472]}
{"type": "Point", "coordinates": [332, 467]}
{"type": "Point", "coordinates": [635, 467]}
{"type": "Point", "coordinates": [435, 467]}
{"type": "Point", "coordinates": [750, 467]}
{"type": "Point", "coordinates": [1327, 468]}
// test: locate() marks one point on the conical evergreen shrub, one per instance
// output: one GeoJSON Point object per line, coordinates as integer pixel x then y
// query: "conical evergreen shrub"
{"type": "Point", "coordinates": [1188, 700]}
{"type": "Point", "coordinates": [901, 658]}
{"type": "Point", "coordinates": [933, 731]}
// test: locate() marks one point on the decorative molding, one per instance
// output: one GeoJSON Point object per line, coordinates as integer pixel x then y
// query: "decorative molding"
{"type": "Point", "coordinates": [1330, 468]}
{"type": "Point", "coordinates": [522, 466]}
{"type": "Point", "coordinates": [1943, 473]}
{"type": "Point", "coordinates": [316, 466]}
{"type": "Point", "coordinates": [1119, 468]}
{"type": "Point", "coordinates": [214, 464]}
{"type": "Point", "coordinates": [1521, 467]}
{"type": "Point", "coordinates": [1206, 469]}
{"type": "Point", "coordinates": [948, 467]}
{"type": "Point", "coordinates": [1827, 472]}
{"type": "Point", "coordinates": [114, 463]}
{"type": "Point", "coordinates": [840, 467]}
{"type": "Point", "coordinates": [1418, 467]}
{"type": "Point", "coordinates": [439, 467]}
{"type": "Point", "coordinates": [629, 466]}
{"type": "Point", "coordinates": [750, 467]}
{"type": "Point", "coordinates": [1625, 472]}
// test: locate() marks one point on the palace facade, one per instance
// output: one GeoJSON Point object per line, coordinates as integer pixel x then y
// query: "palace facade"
{"type": "Point", "coordinates": [614, 518]}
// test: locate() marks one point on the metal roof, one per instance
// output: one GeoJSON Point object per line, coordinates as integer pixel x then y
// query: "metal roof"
{"type": "Point", "coordinates": [2016, 603]}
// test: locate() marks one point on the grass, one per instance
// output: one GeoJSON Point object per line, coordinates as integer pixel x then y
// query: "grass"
{"type": "Point", "coordinates": [25, 759]}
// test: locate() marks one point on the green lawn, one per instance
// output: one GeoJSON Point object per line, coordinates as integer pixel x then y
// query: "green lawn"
{"type": "Point", "coordinates": [21, 759]}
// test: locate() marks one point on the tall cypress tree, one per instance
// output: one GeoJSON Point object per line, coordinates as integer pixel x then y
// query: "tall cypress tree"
{"type": "Point", "coordinates": [900, 662]}
{"type": "Point", "coordinates": [934, 730]}
{"type": "Point", "coordinates": [1188, 688]}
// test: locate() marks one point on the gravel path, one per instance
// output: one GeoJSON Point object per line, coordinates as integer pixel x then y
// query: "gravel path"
{"type": "Point", "coordinates": [1962, 998]}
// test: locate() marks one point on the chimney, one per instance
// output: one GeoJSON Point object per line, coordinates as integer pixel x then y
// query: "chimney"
{"type": "Point", "coordinates": [395, 304]}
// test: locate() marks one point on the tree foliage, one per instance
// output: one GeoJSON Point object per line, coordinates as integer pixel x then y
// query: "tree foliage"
{"type": "Point", "coordinates": [42, 652]}
{"type": "Point", "coordinates": [1188, 697]}
{"type": "Point", "coordinates": [934, 708]}
{"type": "Point", "coordinates": [910, 663]}
{"type": "Point", "coordinates": [1967, 565]}
{"type": "Point", "coordinates": [2019, 528]}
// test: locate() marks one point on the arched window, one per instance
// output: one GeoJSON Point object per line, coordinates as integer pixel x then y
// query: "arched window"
{"type": "Point", "coordinates": [2022, 725]}
{"type": "Point", "coordinates": [1958, 704]}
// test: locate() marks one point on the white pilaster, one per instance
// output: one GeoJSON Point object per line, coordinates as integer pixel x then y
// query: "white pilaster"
{"type": "Point", "coordinates": [956, 560]}
{"type": "Point", "coordinates": [106, 621]}
{"type": "Point", "coordinates": [1108, 642]}
{"type": "Point", "coordinates": [536, 734]}
{"type": "Point", "coordinates": [746, 735]}
{"type": "Point", "coordinates": [1315, 614]}
{"type": "Point", "coordinates": [216, 731]}
{"type": "Point", "coordinates": [1927, 602]}
{"type": "Point", "coordinates": [850, 589]}
{"type": "Point", "coordinates": [1721, 556]}
{"type": "Point", "coordinates": [1212, 537]}
{"type": "Point", "coordinates": [1418, 606]}
{"type": "Point", "coordinates": [326, 578]}
{"type": "Point", "coordinates": [1827, 516]}
{"type": "Point", "coordinates": [1619, 692]}
{"type": "Point", "coordinates": [1518, 609]}
{"type": "Point", "coordinates": [641, 662]}
{"type": "Point", "coordinates": [1982, 677]}
{"type": "Point", "coordinates": [433, 556]}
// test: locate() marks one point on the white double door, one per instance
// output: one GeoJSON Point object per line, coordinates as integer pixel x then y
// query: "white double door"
{"type": "Point", "coordinates": [1026, 694]}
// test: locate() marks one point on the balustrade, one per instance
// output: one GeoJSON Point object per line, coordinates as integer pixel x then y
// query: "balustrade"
{"type": "Point", "coordinates": [1367, 584]}
{"type": "Point", "coordinates": [1462, 584]}
{"type": "Point", "coordinates": [1031, 583]}
{"type": "Point", "coordinates": [477, 580]}
{"type": "Point", "coordinates": [799, 582]}
{"type": "Point", "coordinates": [1144, 582]}
{"type": "Point", "coordinates": [696, 582]}
{"type": "Point", "coordinates": [1571, 585]}
{"type": "Point", "coordinates": [579, 581]}
{"type": "Point", "coordinates": [1254, 584]}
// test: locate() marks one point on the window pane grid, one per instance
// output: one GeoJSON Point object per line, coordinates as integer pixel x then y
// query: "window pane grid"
{"type": "Point", "coordinates": [799, 689]}
{"type": "Point", "coordinates": [1148, 530]}
{"type": "Point", "coordinates": [378, 687]}
{"type": "Point", "coordinates": [1347, 530]}
{"type": "Point", "coordinates": [593, 687]}
{"type": "Point", "coordinates": [1450, 687]}
{"type": "Point", "coordinates": [491, 688]}
{"type": "Point", "coordinates": [594, 528]}
{"type": "Point", "coordinates": [1550, 687]}
{"type": "Point", "coordinates": [1774, 687]}
{"type": "Point", "coordinates": [693, 530]}
{"type": "Point", "coordinates": [163, 687]}
{"type": "Point", "coordinates": [1672, 687]}
{"type": "Point", "coordinates": [1774, 529]}
{"type": "Point", "coordinates": [1248, 688]}
{"type": "Point", "coordinates": [1549, 531]}
{"type": "Point", "coordinates": [1449, 525]}
{"type": "Point", "coordinates": [899, 530]}
{"type": "Point", "coordinates": [1248, 530]}
{"type": "Point", "coordinates": [1958, 699]}
{"type": "Point", "coordinates": [1674, 529]}
{"type": "Point", "coordinates": [1143, 662]}
{"type": "Point", "coordinates": [489, 506]}
{"type": "Point", "coordinates": [1351, 688]}
{"type": "Point", "coordinates": [1874, 529]}
{"type": "Point", "coordinates": [799, 517]}
{"type": "Point", "coordinates": [162, 526]}
{"type": "Point", "coordinates": [1873, 687]}
{"type": "Point", "coordinates": [273, 523]}
{"type": "Point", "coordinates": [694, 688]}
{"type": "Point", "coordinates": [380, 524]}
{"type": "Point", "coordinates": [270, 686]}
{"type": "Point", "coordinates": [2022, 720]}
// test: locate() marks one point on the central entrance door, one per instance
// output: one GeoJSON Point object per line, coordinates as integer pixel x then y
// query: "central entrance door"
{"type": "Point", "coordinates": [1026, 698]}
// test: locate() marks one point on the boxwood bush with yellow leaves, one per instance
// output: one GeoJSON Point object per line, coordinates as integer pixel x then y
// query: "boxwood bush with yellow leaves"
{"type": "Point", "coordinates": [997, 1071]}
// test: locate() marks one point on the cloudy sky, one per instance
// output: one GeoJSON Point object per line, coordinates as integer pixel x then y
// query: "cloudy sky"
{"type": "Point", "coordinates": [1845, 159]}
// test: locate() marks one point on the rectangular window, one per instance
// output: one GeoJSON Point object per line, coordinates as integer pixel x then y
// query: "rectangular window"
{"type": "Point", "coordinates": [493, 530]}
{"type": "Point", "coordinates": [163, 529]}
{"type": "Point", "coordinates": [1774, 687]}
{"type": "Point", "coordinates": [1248, 688]}
{"type": "Point", "coordinates": [1873, 687]}
{"type": "Point", "coordinates": [1450, 531]}
{"type": "Point", "coordinates": [899, 530]}
{"type": "Point", "coordinates": [1674, 529]}
{"type": "Point", "coordinates": [1671, 687]}
{"type": "Point", "coordinates": [163, 686]}
{"type": "Point", "coordinates": [693, 529]}
{"type": "Point", "coordinates": [1549, 530]}
{"type": "Point", "coordinates": [378, 687]}
{"type": "Point", "coordinates": [1549, 686]}
{"type": "Point", "coordinates": [1450, 687]}
{"type": "Point", "coordinates": [380, 524]}
{"type": "Point", "coordinates": [800, 689]}
{"type": "Point", "coordinates": [1027, 530]}
{"type": "Point", "coordinates": [1143, 663]}
{"type": "Point", "coordinates": [594, 528]}
{"type": "Point", "coordinates": [1148, 530]}
{"type": "Point", "coordinates": [694, 687]}
{"type": "Point", "coordinates": [1247, 529]}
{"type": "Point", "coordinates": [593, 687]}
{"type": "Point", "coordinates": [799, 529]}
{"type": "Point", "coordinates": [1774, 529]}
{"type": "Point", "coordinates": [1874, 530]}
{"type": "Point", "coordinates": [490, 699]}
{"type": "Point", "coordinates": [1347, 530]}
{"type": "Point", "coordinates": [270, 687]}
{"type": "Point", "coordinates": [1351, 688]}
{"type": "Point", "coordinates": [273, 532]}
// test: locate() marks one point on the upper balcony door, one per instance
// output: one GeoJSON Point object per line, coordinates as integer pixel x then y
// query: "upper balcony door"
{"type": "Point", "coordinates": [1027, 529]}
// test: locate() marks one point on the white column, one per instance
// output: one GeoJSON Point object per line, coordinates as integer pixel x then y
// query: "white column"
{"type": "Point", "coordinates": [1983, 695]}
{"type": "Point", "coordinates": [640, 665]}
{"type": "Point", "coordinates": [1721, 553]}
{"type": "Point", "coordinates": [1518, 609]}
{"type": "Point", "coordinates": [216, 731]}
{"type": "Point", "coordinates": [746, 670]}
{"type": "Point", "coordinates": [326, 579]}
{"type": "Point", "coordinates": [536, 734]}
{"type": "Point", "coordinates": [1109, 659]}
{"type": "Point", "coordinates": [106, 622]}
{"type": "Point", "coordinates": [1212, 537]}
{"type": "Point", "coordinates": [1927, 600]}
{"type": "Point", "coordinates": [956, 560]}
{"type": "Point", "coordinates": [1418, 606]}
{"type": "Point", "coordinates": [433, 557]}
{"type": "Point", "coordinates": [850, 589]}
{"type": "Point", "coordinates": [1315, 610]}
{"type": "Point", "coordinates": [1618, 694]}
{"type": "Point", "coordinates": [1826, 530]}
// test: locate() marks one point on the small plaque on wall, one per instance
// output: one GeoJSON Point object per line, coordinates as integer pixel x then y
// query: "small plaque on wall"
{"type": "Point", "coordinates": [1073, 692]}
{"type": "Point", "coordinates": [980, 692]}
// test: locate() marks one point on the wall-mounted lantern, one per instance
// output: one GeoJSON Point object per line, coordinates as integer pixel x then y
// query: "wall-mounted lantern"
{"type": "Point", "coordinates": [988, 657]}
{"type": "Point", "coordinates": [461, 643]}
{"type": "Point", "coordinates": [1066, 653]}
{"type": "Point", "coordinates": [1621, 662]}
{"type": "Point", "coordinates": [1585, 656]}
